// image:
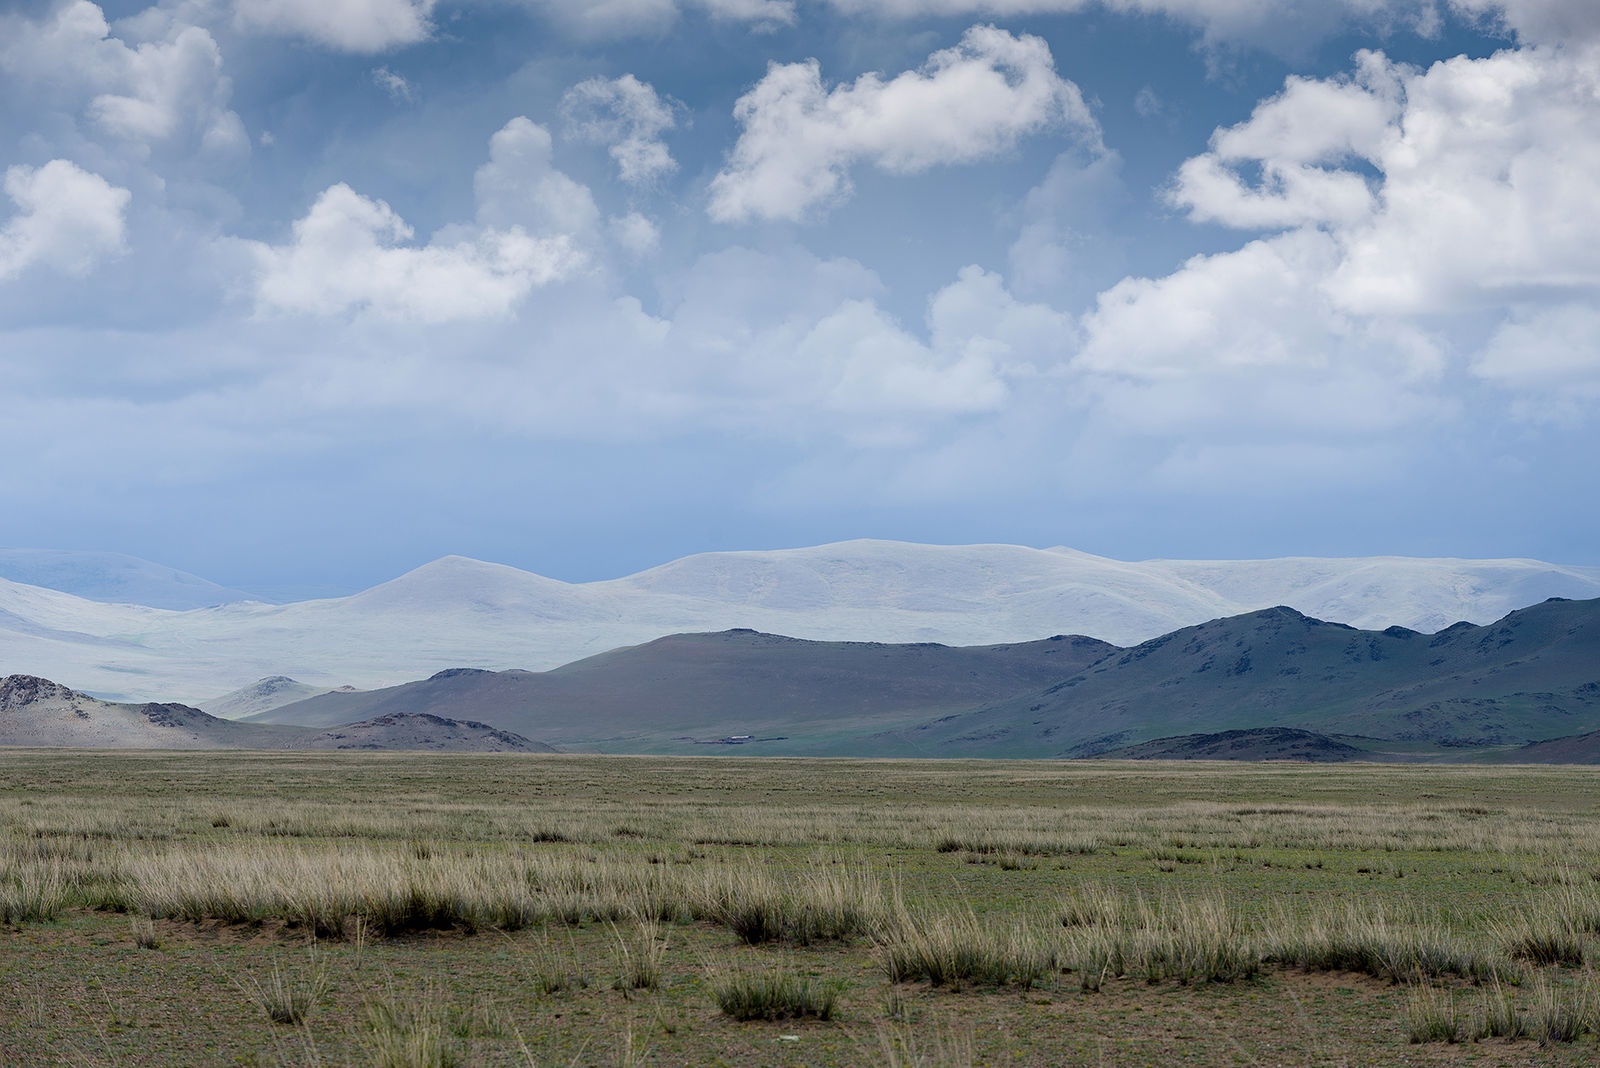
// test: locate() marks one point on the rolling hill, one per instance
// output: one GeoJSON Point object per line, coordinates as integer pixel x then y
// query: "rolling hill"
{"type": "Point", "coordinates": [1534, 674]}
{"type": "Point", "coordinates": [114, 578]}
{"type": "Point", "coordinates": [457, 612]}
{"type": "Point", "coordinates": [37, 712]}
{"type": "Point", "coordinates": [687, 689]}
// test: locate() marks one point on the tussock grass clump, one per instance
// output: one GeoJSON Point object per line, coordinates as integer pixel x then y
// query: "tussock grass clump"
{"type": "Point", "coordinates": [639, 958]}
{"type": "Point", "coordinates": [423, 1030]}
{"type": "Point", "coordinates": [949, 949]}
{"type": "Point", "coordinates": [1497, 1015]}
{"type": "Point", "coordinates": [1186, 939]}
{"type": "Point", "coordinates": [1196, 940]}
{"type": "Point", "coordinates": [1561, 1013]}
{"type": "Point", "coordinates": [285, 998]}
{"type": "Point", "coordinates": [144, 932]}
{"type": "Point", "coordinates": [1372, 939]}
{"type": "Point", "coordinates": [1431, 1015]}
{"type": "Point", "coordinates": [907, 1047]}
{"type": "Point", "coordinates": [32, 892]}
{"type": "Point", "coordinates": [773, 993]}
{"type": "Point", "coordinates": [827, 904]}
{"type": "Point", "coordinates": [1100, 905]}
{"type": "Point", "coordinates": [1555, 928]}
{"type": "Point", "coordinates": [1543, 937]}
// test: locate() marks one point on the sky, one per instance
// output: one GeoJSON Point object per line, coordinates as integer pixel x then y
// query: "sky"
{"type": "Point", "coordinates": [305, 293]}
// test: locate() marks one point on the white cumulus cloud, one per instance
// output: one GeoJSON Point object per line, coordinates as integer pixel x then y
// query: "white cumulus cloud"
{"type": "Point", "coordinates": [635, 233]}
{"type": "Point", "coordinates": [167, 91]}
{"type": "Point", "coordinates": [1420, 211]}
{"type": "Point", "coordinates": [354, 253]}
{"type": "Point", "coordinates": [363, 26]}
{"type": "Point", "coordinates": [761, 14]}
{"type": "Point", "coordinates": [627, 115]}
{"type": "Point", "coordinates": [67, 218]}
{"type": "Point", "coordinates": [1554, 347]}
{"type": "Point", "coordinates": [799, 139]}
{"type": "Point", "coordinates": [520, 186]}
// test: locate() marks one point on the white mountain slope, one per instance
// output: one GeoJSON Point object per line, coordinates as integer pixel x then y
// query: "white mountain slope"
{"type": "Point", "coordinates": [457, 612]}
{"type": "Point", "coordinates": [114, 578]}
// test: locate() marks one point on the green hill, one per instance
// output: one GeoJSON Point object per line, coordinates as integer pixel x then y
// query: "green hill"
{"type": "Point", "coordinates": [1534, 674]}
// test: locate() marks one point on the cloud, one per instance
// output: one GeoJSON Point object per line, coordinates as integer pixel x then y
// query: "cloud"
{"type": "Point", "coordinates": [168, 92]}
{"type": "Point", "coordinates": [1420, 211]}
{"type": "Point", "coordinates": [519, 185]}
{"type": "Point", "coordinates": [349, 252]}
{"type": "Point", "coordinates": [346, 256]}
{"type": "Point", "coordinates": [1466, 183]}
{"type": "Point", "coordinates": [67, 219]}
{"type": "Point", "coordinates": [761, 14]}
{"type": "Point", "coordinates": [782, 345]}
{"type": "Point", "coordinates": [635, 233]}
{"type": "Point", "coordinates": [638, 18]}
{"type": "Point", "coordinates": [394, 84]}
{"type": "Point", "coordinates": [627, 115]}
{"type": "Point", "coordinates": [1280, 25]}
{"type": "Point", "coordinates": [1554, 348]}
{"type": "Point", "coordinates": [1297, 143]}
{"type": "Point", "coordinates": [800, 140]}
{"type": "Point", "coordinates": [1538, 21]}
{"type": "Point", "coordinates": [1488, 191]}
{"type": "Point", "coordinates": [1064, 245]}
{"type": "Point", "coordinates": [363, 26]}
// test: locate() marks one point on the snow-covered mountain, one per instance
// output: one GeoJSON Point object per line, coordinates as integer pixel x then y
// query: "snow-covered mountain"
{"type": "Point", "coordinates": [114, 578]}
{"type": "Point", "coordinates": [457, 612]}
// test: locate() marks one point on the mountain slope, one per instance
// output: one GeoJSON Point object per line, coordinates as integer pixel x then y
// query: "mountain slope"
{"type": "Point", "coordinates": [1261, 743]}
{"type": "Point", "coordinates": [260, 696]}
{"type": "Point", "coordinates": [457, 612]}
{"type": "Point", "coordinates": [114, 578]}
{"type": "Point", "coordinates": [38, 712]}
{"type": "Point", "coordinates": [1533, 674]}
{"type": "Point", "coordinates": [687, 687]}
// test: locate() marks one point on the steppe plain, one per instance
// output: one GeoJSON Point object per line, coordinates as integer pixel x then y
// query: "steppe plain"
{"type": "Point", "coordinates": [545, 909]}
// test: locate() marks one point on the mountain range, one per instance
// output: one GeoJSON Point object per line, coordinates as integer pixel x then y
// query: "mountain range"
{"type": "Point", "coordinates": [1532, 676]}
{"type": "Point", "coordinates": [457, 612]}
{"type": "Point", "coordinates": [38, 712]}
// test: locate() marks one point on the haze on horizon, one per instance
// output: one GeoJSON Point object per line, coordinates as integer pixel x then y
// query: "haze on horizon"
{"type": "Point", "coordinates": [306, 295]}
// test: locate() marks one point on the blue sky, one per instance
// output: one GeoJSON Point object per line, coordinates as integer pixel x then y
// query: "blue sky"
{"type": "Point", "coordinates": [314, 291]}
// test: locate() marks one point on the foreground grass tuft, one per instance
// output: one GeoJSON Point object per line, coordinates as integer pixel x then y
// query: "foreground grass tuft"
{"type": "Point", "coordinates": [1561, 1014]}
{"type": "Point", "coordinates": [954, 948]}
{"type": "Point", "coordinates": [908, 1047]}
{"type": "Point", "coordinates": [31, 892]}
{"type": "Point", "coordinates": [773, 993]}
{"type": "Point", "coordinates": [1431, 1015]}
{"type": "Point", "coordinates": [285, 998]}
{"type": "Point", "coordinates": [1368, 938]}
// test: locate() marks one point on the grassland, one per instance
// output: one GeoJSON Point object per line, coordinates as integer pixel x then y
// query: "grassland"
{"type": "Point", "coordinates": [271, 908]}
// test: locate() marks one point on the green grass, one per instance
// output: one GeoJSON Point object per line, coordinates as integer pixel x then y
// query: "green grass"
{"type": "Point", "coordinates": [560, 910]}
{"type": "Point", "coordinates": [774, 992]}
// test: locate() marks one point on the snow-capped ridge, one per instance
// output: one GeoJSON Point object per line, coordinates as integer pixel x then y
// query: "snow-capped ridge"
{"type": "Point", "coordinates": [459, 612]}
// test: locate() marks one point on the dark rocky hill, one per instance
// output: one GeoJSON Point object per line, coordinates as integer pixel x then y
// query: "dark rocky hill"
{"type": "Point", "coordinates": [736, 686]}
{"type": "Point", "coordinates": [1534, 674]}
